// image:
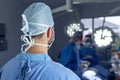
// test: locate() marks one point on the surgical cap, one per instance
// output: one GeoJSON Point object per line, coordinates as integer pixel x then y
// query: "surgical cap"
{"type": "Point", "coordinates": [88, 40]}
{"type": "Point", "coordinates": [36, 19]}
{"type": "Point", "coordinates": [78, 33]}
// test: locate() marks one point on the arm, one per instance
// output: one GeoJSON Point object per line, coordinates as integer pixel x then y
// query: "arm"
{"type": "Point", "coordinates": [67, 57]}
{"type": "Point", "coordinates": [94, 58]}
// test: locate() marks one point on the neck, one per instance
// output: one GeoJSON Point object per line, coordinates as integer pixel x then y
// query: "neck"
{"type": "Point", "coordinates": [38, 50]}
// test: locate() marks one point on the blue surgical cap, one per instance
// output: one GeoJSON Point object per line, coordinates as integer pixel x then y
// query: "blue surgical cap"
{"type": "Point", "coordinates": [36, 19]}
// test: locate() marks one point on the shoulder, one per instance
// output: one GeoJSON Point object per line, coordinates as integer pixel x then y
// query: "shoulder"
{"type": "Point", "coordinates": [69, 46]}
{"type": "Point", "coordinates": [82, 48]}
{"type": "Point", "coordinates": [10, 63]}
{"type": "Point", "coordinates": [10, 70]}
{"type": "Point", "coordinates": [56, 71]}
{"type": "Point", "coordinates": [56, 67]}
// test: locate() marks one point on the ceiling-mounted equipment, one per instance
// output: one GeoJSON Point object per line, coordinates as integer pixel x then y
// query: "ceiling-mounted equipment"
{"type": "Point", "coordinates": [67, 7]}
{"type": "Point", "coordinates": [75, 24]}
{"type": "Point", "coordinates": [93, 1]}
{"type": "Point", "coordinates": [103, 36]}
{"type": "Point", "coordinates": [69, 4]}
{"type": "Point", "coordinates": [74, 27]}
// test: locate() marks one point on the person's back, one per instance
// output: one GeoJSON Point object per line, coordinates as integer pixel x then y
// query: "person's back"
{"type": "Point", "coordinates": [33, 63]}
{"type": "Point", "coordinates": [35, 67]}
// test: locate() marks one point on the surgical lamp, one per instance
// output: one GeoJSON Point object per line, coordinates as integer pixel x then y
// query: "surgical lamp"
{"type": "Point", "coordinates": [103, 36]}
{"type": "Point", "coordinates": [74, 27]}
{"type": "Point", "coordinates": [75, 24]}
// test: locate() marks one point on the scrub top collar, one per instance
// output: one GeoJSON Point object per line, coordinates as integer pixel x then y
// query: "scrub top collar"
{"type": "Point", "coordinates": [34, 57]}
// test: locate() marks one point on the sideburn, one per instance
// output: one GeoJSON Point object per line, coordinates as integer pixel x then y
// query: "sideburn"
{"type": "Point", "coordinates": [51, 40]}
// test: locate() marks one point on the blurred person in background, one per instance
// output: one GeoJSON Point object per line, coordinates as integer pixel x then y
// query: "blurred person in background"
{"type": "Point", "coordinates": [69, 55]}
{"type": "Point", "coordinates": [88, 52]}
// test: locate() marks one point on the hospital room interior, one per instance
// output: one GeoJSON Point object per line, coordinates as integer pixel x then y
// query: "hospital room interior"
{"type": "Point", "coordinates": [98, 20]}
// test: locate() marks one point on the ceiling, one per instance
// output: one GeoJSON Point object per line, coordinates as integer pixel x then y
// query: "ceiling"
{"type": "Point", "coordinates": [85, 8]}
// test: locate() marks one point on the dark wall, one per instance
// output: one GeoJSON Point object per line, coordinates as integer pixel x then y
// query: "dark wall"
{"type": "Point", "coordinates": [10, 15]}
{"type": "Point", "coordinates": [61, 38]}
{"type": "Point", "coordinates": [10, 11]}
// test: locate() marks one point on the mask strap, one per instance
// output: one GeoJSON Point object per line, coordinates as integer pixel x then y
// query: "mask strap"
{"type": "Point", "coordinates": [29, 42]}
{"type": "Point", "coordinates": [38, 44]}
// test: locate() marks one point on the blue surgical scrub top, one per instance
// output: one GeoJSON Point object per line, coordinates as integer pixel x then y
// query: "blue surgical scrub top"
{"type": "Point", "coordinates": [89, 51]}
{"type": "Point", "coordinates": [26, 66]}
{"type": "Point", "coordinates": [68, 57]}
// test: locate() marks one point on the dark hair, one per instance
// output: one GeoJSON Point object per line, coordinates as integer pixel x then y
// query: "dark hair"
{"type": "Point", "coordinates": [38, 36]}
{"type": "Point", "coordinates": [78, 33]}
{"type": "Point", "coordinates": [88, 40]}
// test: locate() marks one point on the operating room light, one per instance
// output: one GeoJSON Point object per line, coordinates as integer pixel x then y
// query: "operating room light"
{"type": "Point", "coordinates": [103, 37]}
{"type": "Point", "coordinates": [72, 28]}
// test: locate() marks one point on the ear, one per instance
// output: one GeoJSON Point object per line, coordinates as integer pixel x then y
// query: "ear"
{"type": "Point", "coordinates": [49, 33]}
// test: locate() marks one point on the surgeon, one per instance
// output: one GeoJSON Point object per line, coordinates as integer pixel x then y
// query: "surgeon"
{"type": "Point", "coordinates": [69, 56]}
{"type": "Point", "coordinates": [33, 62]}
{"type": "Point", "coordinates": [88, 53]}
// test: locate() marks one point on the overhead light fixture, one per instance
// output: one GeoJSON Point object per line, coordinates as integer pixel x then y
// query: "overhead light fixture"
{"type": "Point", "coordinates": [69, 5]}
{"type": "Point", "coordinates": [74, 27]}
{"type": "Point", "coordinates": [103, 36]}
{"type": "Point", "coordinates": [75, 23]}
